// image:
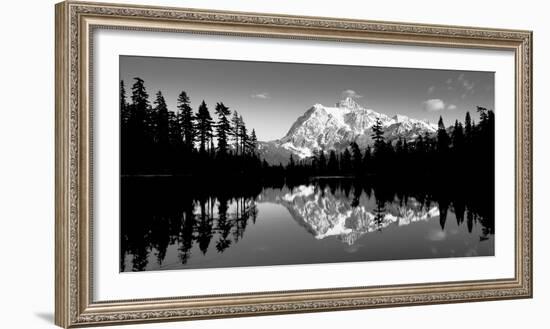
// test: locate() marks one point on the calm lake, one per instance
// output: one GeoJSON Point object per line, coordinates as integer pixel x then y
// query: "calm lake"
{"type": "Point", "coordinates": [164, 226]}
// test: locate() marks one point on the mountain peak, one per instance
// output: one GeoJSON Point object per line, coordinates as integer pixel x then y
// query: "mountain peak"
{"type": "Point", "coordinates": [334, 128]}
{"type": "Point", "coordinates": [349, 103]}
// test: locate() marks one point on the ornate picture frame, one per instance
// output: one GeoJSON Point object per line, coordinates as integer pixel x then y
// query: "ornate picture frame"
{"type": "Point", "coordinates": [75, 24]}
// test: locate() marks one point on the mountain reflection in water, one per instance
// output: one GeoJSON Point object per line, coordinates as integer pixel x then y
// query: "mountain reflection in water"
{"type": "Point", "coordinates": [319, 222]}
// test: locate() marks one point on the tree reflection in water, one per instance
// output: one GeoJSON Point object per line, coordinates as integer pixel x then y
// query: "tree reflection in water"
{"type": "Point", "coordinates": [213, 216]}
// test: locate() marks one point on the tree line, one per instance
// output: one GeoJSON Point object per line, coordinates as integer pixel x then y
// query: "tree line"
{"type": "Point", "coordinates": [156, 140]}
{"type": "Point", "coordinates": [464, 148]}
{"type": "Point", "coordinates": [158, 213]}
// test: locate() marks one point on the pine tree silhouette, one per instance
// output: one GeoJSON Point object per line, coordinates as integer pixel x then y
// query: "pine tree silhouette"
{"type": "Point", "coordinates": [204, 127]}
{"type": "Point", "coordinates": [357, 158]}
{"type": "Point", "coordinates": [332, 165]}
{"type": "Point", "coordinates": [186, 119]}
{"type": "Point", "coordinates": [236, 130]}
{"type": "Point", "coordinates": [223, 128]}
{"type": "Point", "coordinates": [378, 136]}
{"type": "Point", "coordinates": [161, 114]}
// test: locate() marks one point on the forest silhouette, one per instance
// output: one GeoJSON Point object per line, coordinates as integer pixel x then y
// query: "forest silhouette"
{"type": "Point", "coordinates": [157, 141]}
{"type": "Point", "coordinates": [175, 162]}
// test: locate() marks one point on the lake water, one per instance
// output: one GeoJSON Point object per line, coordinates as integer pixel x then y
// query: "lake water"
{"type": "Point", "coordinates": [307, 223]}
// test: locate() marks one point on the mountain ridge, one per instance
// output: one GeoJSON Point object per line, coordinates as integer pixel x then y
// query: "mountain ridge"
{"type": "Point", "coordinates": [334, 128]}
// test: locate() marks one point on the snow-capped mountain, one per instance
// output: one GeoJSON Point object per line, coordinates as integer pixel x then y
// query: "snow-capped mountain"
{"type": "Point", "coordinates": [327, 128]}
{"type": "Point", "coordinates": [326, 215]}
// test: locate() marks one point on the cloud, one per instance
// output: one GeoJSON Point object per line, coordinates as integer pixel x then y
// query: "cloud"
{"type": "Point", "coordinates": [434, 105]}
{"type": "Point", "coordinates": [351, 93]}
{"type": "Point", "coordinates": [263, 95]}
{"type": "Point", "coordinates": [466, 84]}
{"type": "Point", "coordinates": [431, 90]}
{"type": "Point", "coordinates": [449, 81]}
{"type": "Point", "coordinates": [451, 107]}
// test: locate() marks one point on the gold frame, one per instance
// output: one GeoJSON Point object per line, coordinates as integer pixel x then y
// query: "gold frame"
{"type": "Point", "coordinates": [76, 21]}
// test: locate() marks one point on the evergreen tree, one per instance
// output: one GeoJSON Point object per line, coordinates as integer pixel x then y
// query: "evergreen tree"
{"type": "Point", "coordinates": [390, 152]}
{"type": "Point", "coordinates": [140, 105]}
{"type": "Point", "coordinates": [204, 126]}
{"type": "Point", "coordinates": [483, 116]}
{"type": "Point", "coordinates": [125, 145]}
{"type": "Point", "coordinates": [345, 163]}
{"type": "Point", "coordinates": [236, 130]}
{"type": "Point", "coordinates": [357, 157]}
{"type": "Point", "coordinates": [186, 121]}
{"type": "Point", "coordinates": [124, 107]}
{"type": "Point", "coordinates": [161, 111]}
{"type": "Point", "coordinates": [332, 165]}
{"type": "Point", "coordinates": [443, 140]}
{"type": "Point", "coordinates": [401, 152]}
{"type": "Point", "coordinates": [378, 137]}
{"type": "Point", "coordinates": [174, 129]}
{"type": "Point", "coordinates": [253, 143]}
{"type": "Point", "coordinates": [223, 128]}
{"type": "Point", "coordinates": [458, 137]}
{"type": "Point", "coordinates": [243, 136]}
{"type": "Point", "coordinates": [136, 138]}
{"type": "Point", "coordinates": [468, 128]}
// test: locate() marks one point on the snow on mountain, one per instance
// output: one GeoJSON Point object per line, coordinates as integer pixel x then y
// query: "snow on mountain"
{"type": "Point", "coordinates": [327, 128]}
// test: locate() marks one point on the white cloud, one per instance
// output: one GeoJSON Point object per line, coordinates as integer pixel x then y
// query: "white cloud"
{"type": "Point", "coordinates": [451, 107]}
{"type": "Point", "coordinates": [434, 105]}
{"type": "Point", "coordinates": [263, 95]}
{"type": "Point", "coordinates": [351, 93]}
{"type": "Point", "coordinates": [431, 90]}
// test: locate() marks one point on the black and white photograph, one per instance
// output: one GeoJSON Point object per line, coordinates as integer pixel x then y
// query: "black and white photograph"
{"type": "Point", "coordinates": [275, 164]}
{"type": "Point", "coordinates": [228, 163]}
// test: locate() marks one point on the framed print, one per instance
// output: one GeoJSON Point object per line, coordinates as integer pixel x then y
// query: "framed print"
{"type": "Point", "coordinates": [214, 164]}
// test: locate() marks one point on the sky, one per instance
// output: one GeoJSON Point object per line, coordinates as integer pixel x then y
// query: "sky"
{"type": "Point", "coordinates": [271, 96]}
